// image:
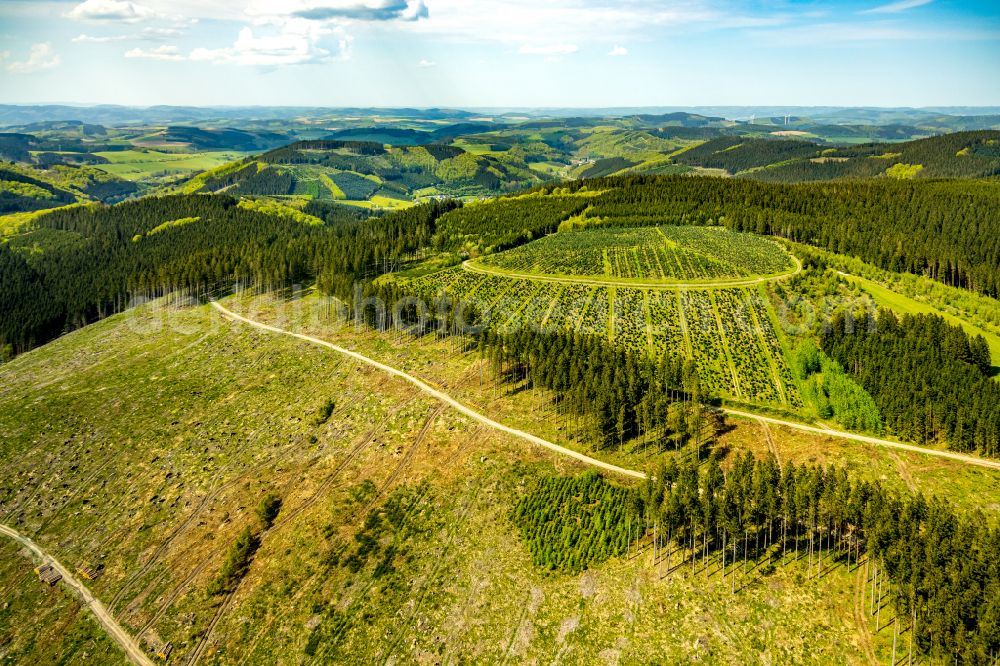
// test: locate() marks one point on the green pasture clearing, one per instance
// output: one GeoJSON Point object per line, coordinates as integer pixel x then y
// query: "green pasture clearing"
{"type": "Point", "coordinates": [389, 203]}
{"type": "Point", "coordinates": [478, 147]}
{"type": "Point", "coordinates": [139, 165]}
{"type": "Point", "coordinates": [906, 305]}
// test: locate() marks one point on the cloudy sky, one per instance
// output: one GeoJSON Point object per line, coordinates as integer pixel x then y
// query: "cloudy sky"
{"type": "Point", "coordinates": [501, 52]}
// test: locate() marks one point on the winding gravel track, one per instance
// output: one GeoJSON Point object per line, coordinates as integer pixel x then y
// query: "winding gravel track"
{"type": "Point", "coordinates": [444, 397]}
{"type": "Point", "coordinates": [135, 653]}
{"type": "Point", "coordinates": [951, 455]}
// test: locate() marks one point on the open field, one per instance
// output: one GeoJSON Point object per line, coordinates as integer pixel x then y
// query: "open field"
{"type": "Point", "coordinates": [145, 164]}
{"type": "Point", "coordinates": [229, 413]}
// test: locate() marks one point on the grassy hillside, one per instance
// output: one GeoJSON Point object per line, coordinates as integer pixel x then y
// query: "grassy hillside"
{"type": "Point", "coordinates": [64, 632]}
{"type": "Point", "coordinates": [252, 497]}
{"type": "Point", "coordinates": [146, 443]}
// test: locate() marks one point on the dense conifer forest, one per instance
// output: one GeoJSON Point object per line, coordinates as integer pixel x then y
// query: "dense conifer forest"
{"type": "Point", "coordinates": [622, 397]}
{"type": "Point", "coordinates": [733, 153]}
{"type": "Point", "coordinates": [504, 223]}
{"type": "Point", "coordinates": [936, 567]}
{"type": "Point", "coordinates": [913, 227]}
{"type": "Point", "coordinates": [80, 264]}
{"type": "Point", "coordinates": [779, 160]}
{"type": "Point", "coordinates": [930, 380]}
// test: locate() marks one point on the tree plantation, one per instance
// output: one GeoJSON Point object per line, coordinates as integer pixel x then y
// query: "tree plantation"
{"type": "Point", "coordinates": [735, 525]}
{"type": "Point", "coordinates": [633, 419]}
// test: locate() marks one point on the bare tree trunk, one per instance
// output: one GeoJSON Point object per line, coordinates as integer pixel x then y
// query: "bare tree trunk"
{"type": "Point", "coordinates": [723, 557]}
{"type": "Point", "coordinates": [746, 538]}
{"type": "Point", "coordinates": [874, 583]}
{"type": "Point", "coordinates": [694, 551]}
{"type": "Point", "coordinates": [878, 612]}
{"type": "Point", "coordinates": [670, 545]}
{"type": "Point", "coordinates": [734, 568]}
{"type": "Point", "coordinates": [809, 570]}
{"type": "Point", "coordinates": [704, 557]}
{"type": "Point", "coordinates": [895, 633]}
{"type": "Point", "coordinates": [654, 544]}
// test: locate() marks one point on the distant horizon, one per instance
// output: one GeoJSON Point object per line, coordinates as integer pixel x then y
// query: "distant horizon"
{"type": "Point", "coordinates": [501, 53]}
{"type": "Point", "coordinates": [501, 108]}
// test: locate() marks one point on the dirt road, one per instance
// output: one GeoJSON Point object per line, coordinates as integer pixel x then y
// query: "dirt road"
{"type": "Point", "coordinates": [951, 455]}
{"type": "Point", "coordinates": [135, 653]}
{"type": "Point", "coordinates": [439, 395]}
{"type": "Point", "coordinates": [444, 397]}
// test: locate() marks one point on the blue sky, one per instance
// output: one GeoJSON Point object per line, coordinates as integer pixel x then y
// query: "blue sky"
{"type": "Point", "coordinates": [468, 53]}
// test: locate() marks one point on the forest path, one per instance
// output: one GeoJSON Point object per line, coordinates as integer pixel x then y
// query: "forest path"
{"type": "Point", "coordinates": [562, 450]}
{"type": "Point", "coordinates": [114, 630]}
{"type": "Point", "coordinates": [951, 455]}
{"type": "Point", "coordinates": [439, 395]}
{"type": "Point", "coordinates": [481, 269]}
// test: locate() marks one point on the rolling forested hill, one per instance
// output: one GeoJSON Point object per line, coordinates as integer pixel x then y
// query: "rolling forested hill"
{"type": "Point", "coordinates": [26, 189]}
{"type": "Point", "coordinates": [626, 319]}
{"type": "Point", "coordinates": [366, 173]}
{"type": "Point", "coordinates": [959, 155]}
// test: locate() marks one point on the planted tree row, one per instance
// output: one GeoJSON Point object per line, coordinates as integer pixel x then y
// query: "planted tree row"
{"type": "Point", "coordinates": [934, 569]}
{"type": "Point", "coordinates": [903, 226]}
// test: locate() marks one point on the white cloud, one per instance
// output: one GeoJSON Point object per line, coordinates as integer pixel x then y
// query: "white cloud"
{"type": "Point", "coordinates": [577, 21]}
{"type": "Point", "coordinates": [90, 39]}
{"type": "Point", "coordinates": [159, 53]}
{"type": "Point", "coordinates": [280, 32]}
{"type": "Point", "coordinates": [341, 10]}
{"type": "Point", "coordinates": [146, 35]}
{"type": "Point", "coordinates": [548, 49]}
{"type": "Point", "coordinates": [894, 7]}
{"type": "Point", "coordinates": [110, 10]}
{"type": "Point", "coordinates": [618, 51]}
{"type": "Point", "coordinates": [426, 63]}
{"type": "Point", "coordinates": [40, 57]}
{"type": "Point", "coordinates": [153, 34]}
{"type": "Point", "coordinates": [292, 42]}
